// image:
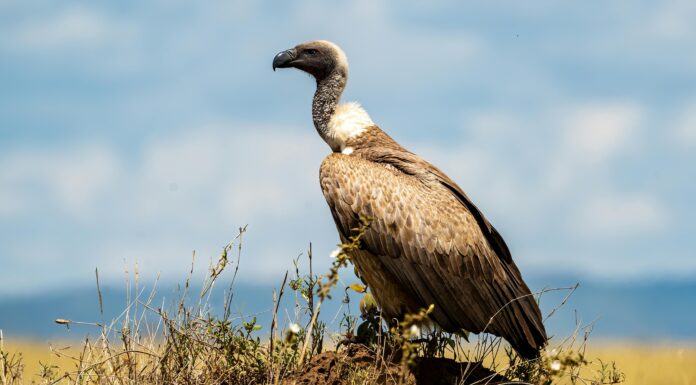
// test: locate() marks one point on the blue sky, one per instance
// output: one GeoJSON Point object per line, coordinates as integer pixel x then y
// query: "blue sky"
{"type": "Point", "coordinates": [135, 132]}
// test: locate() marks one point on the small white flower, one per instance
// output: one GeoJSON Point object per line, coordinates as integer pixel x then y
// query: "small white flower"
{"type": "Point", "coordinates": [335, 253]}
{"type": "Point", "coordinates": [294, 328]}
{"type": "Point", "coordinates": [556, 365]}
{"type": "Point", "coordinates": [415, 330]}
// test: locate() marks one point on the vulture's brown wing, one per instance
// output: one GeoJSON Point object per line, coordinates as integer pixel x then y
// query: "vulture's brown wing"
{"type": "Point", "coordinates": [432, 243]}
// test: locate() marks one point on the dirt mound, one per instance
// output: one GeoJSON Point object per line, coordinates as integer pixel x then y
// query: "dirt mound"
{"type": "Point", "coordinates": [358, 365]}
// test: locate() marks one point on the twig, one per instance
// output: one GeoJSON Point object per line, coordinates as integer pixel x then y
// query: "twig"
{"type": "Point", "coordinates": [563, 302]}
{"type": "Point", "coordinates": [276, 304]}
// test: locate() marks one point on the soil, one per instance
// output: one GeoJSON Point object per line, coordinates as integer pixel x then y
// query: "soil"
{"type": "Point", "coordinates": [358, 365]}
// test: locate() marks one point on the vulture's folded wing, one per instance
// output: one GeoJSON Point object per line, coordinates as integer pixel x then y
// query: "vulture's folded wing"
{"type": "Point", "coordinates": [428, 238]}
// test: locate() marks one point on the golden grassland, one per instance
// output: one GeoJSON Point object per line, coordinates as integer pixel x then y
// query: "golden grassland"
{"type": "Point", "coordinates": [660, 363]}
{"type": "Point", "coordinates": [36, 354]}
{"type": "Point", "coordinates": [643, 364]}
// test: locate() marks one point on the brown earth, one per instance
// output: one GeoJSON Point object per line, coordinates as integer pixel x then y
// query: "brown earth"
{"type": "Point", "coordinates": [357, 365]}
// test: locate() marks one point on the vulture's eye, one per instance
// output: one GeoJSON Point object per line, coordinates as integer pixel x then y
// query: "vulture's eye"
{"type": "Point", "coordinates": [311, 51]}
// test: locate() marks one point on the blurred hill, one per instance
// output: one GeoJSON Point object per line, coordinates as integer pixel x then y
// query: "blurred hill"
{"type": "Point", "coordinates": [625, 310]}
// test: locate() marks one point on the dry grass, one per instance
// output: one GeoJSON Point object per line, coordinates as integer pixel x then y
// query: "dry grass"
{"type": "Point", "coordinates": [187, 344]}
{"type": "Point", "coordinates": [653, 364]}
{"type": "Point", "coordinates": [37, 354]}
{"type": "Point", "coordinates": [643, 364]}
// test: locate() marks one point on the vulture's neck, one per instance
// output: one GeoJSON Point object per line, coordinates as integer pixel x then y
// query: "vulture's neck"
{"type": "Point", "coordinates": [337, 123]}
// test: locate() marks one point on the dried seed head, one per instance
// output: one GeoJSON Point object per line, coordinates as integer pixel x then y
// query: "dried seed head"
{"type": "Point", "coordinates": [555, 365]}
{"type": "Point", "coordinates": [294, 328]}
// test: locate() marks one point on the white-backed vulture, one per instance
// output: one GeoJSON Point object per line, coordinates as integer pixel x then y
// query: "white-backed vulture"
{"type": "Point", "coordinates": [427, 242]}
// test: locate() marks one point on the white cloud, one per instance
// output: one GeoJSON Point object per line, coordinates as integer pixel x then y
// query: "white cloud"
{"type": "Point", "coordinates": [674, 19]}
{"type": "Point", "coordinates": [375, 41]}
{"type": "Point", "coordinates": [11, 203]}
{"type": "Point", "coordinates": [72, 178]}
{"type": "Point", "coordinates": [242, 171]}
{"type": "Point", "coordinates": [559, 182]}
{"type": "Point", "coordinates": [79, 178]}
{"type": "Point", "coordinates": [74, 27]}
{"type": "Point", "coordinates": [610, 216]}
{"type": "Point", "coordinates": [596, 133]}
{"type": "Point", "coordinates": [592, 137]}
{"type": "Point", "coordinates": [526, 179]}
{"type": "Point", "coordinates": [684, 131]}
{"type": "Point", "coordinates": [186, 191]}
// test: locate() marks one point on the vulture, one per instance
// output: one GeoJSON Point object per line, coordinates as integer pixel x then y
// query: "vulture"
{"type": "Point", "coordinates": [427, 243]}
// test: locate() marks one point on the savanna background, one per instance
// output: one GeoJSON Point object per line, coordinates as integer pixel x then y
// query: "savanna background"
{"type": "Point", "coordinates": [133, 133]}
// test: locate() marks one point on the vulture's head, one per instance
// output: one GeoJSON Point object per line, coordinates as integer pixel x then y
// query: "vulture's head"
{"type": "Point", "coordinates": [319, 58]}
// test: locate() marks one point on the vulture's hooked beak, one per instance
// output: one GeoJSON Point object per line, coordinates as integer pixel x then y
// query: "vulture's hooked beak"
{"type": "Point", "coordinates": [284, 59]}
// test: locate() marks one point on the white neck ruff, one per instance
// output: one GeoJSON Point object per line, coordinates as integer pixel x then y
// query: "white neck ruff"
{"type": "Point", "coordinates": [348, 121]}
